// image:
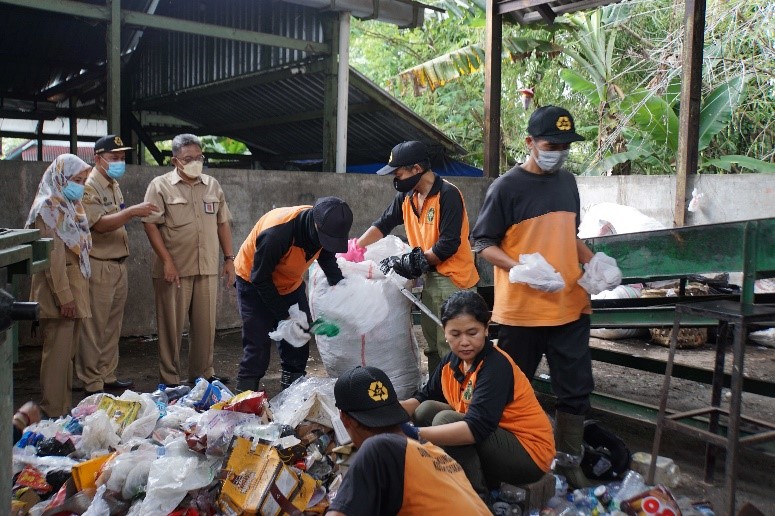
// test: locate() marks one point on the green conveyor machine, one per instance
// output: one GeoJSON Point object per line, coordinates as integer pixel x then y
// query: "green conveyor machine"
{"type": "Point", "coordinates": [681, 253]}
{"type": "Point", "coordinates": [22, 253]}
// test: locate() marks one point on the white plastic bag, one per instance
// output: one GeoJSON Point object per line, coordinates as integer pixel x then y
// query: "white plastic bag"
{"type": "Point", "coordinates": [536, 272]}
{"type": "Point", "coordinates": [100, 435]}
{"type": "Point", "coordinates": [146, 418]}
{"type": "Point", "coordinates": [174, 475]}
{"type": "Point", "coordinates": [293, 329]}
{"type": "Point", "coordinates": [601, 273]}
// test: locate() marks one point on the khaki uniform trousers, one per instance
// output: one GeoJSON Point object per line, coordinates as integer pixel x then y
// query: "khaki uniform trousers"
{"type": "Point", "coordinates": [194, 299]}
{"type": "Point", "coordinates": [60, 341]}
{"type": "Point", "coordinates": [97, 356]}
{"type": "Point", "coordinates": [436, 289]}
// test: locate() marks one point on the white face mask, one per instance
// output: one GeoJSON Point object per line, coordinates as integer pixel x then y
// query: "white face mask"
{"type": "Point", "coordinates": [193, 169]}
{"type": "Point", "coordinates": [551, 161]}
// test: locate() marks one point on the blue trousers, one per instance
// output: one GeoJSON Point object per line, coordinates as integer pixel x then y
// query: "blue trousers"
{"type": "Point", "coordinates": [257, 322]}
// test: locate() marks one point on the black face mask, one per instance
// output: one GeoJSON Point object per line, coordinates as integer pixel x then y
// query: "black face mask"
{"type": "Point", "coordinates": [406, 185]}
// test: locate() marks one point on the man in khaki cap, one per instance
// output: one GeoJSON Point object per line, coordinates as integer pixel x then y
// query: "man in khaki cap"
{"type": "Point", "coordinates": [97, 355]}
{"type": "Point", "coordinates": [193, 223]}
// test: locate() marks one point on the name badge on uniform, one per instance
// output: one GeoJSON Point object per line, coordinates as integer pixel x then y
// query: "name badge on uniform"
{"type": "Point", "coordinates": [209, 207]}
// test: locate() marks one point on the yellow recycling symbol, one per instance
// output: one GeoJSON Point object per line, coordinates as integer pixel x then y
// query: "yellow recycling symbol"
{"type": "Point", "coordinates": [564, 124]}
{"type": "Point", "coordinates": [377, 391]}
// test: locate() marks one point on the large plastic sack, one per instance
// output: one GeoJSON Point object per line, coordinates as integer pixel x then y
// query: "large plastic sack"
{"type": "Point", "coordinates": [764, 337]}
{"type": "Point", "coordinates": [380, 308]}
{"type": "Point", "coordinates": [620, 292]}
{"type": "Point", "coordinates": [608, 218]}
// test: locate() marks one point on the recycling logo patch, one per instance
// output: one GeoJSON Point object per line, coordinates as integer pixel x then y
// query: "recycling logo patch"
{"type": "Point", "coordinates": [564, 124]}
{"type": "Point", "coordinates": [377, 391]}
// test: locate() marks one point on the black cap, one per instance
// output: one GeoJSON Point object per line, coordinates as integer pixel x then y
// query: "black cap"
{"type": "Point", "coordinates": [110, 143]}
{"type": "Point", "coordinates": [333, 218]}
{"type": "Point", "coordinates": [367, 394]}
{"type": "Point", "coordinates": [553, 124]}
{"type": "Point", "coordinates": [405, 154]}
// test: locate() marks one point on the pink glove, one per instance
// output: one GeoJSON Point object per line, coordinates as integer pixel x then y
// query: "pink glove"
{"type": "Point", "coordinates": [354, 251]}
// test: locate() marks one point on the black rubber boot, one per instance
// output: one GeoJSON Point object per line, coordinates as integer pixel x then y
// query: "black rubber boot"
{"type": "Point", "coordinates": [569, 441]}
{"type": "Point", "coordinates": [287, 378]}
{"type": "Point", "coordinates": [246, 384]}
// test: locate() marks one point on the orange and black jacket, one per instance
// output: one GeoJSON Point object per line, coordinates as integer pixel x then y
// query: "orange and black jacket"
{"type": "Point", "coordinates": [526, 213]}
{"type": "Point", "coordinates": [278, 251]}
{"type": "Point", "coordinates": [441, 226]}
{"type": "Point", "coordinates": [493, 393]}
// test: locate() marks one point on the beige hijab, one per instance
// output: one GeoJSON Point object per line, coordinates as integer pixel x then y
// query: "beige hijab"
{"type": "Point", "coordinates": [67, 218]}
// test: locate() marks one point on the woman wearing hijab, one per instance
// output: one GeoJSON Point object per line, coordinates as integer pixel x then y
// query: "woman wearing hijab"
{"type": "Point", "coordinates": [62, 291]}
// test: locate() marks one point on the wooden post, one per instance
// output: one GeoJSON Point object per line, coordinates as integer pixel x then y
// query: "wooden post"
{"type": "Point", "coordinates": [691, 98]}
{"type": "Point", "coordinates": [493, 46]}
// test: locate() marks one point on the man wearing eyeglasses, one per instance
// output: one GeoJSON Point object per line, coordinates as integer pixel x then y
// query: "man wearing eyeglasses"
{"type": "Point", "coordinates": [185, 235]}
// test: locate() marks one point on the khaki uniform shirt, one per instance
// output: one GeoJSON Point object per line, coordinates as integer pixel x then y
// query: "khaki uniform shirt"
{"type": "Point", "coordinates": [62, 282]}
{"type": "Point", "coordinates": [188, 222]}
{"type": "Point", "coordinates": [102, 196]}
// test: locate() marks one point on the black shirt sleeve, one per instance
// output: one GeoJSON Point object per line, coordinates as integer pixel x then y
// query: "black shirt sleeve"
{"type": "Point", "coordinates": [392, 216]}
{"type": "Point", "coordinates": [450, 222]}
{"type": "Point", "coordinates": [494, 390]}
{"type": "Point", "coordinates": [432, 388]}
{"type": "Point", "coordinates": [271, 246]}
{"type": "Point", "coordinates": [492, 223]}
{"type": "Point", "coordinates": [374, 484]}
{"type": "Point", "coordinates": [327, 262]}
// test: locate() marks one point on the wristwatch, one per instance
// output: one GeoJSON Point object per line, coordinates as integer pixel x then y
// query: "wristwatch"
{"type": "Point", "coordinates": [228, 257]}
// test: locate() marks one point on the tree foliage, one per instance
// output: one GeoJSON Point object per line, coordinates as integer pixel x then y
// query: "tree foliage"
{"type": "Point", "coordinates": [618, 72]}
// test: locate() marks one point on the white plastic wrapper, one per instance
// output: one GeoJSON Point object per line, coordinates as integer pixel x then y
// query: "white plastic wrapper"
{"type": "Point", "coordinates": [292, 330]}
{"type": "Point", "coordinates": [367, 301]}
{"type": "Point", "coordinates": [534, 271]}
{"type": "Point", "coordinates": [601, 273]}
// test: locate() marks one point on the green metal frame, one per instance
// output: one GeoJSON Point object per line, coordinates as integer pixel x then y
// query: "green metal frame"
{"type": "Point", "coordinates": [22, 253]}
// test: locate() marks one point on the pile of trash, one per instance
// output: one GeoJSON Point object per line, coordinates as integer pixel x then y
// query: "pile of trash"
{"type": "Point", "coordinates": [204, 451]}
{"type": "Point", "coordinates": [185, 451]}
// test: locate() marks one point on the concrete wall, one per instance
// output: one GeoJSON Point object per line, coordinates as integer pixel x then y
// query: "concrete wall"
{"type": "Point", "coordinates": [252, 193]}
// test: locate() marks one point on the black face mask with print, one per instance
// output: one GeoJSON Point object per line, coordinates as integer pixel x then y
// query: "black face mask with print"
{"type": "Point", "coordinates": [406, 185]}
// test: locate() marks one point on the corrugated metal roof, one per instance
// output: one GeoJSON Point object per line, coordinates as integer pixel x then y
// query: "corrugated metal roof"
{"type": "Point", "coordinates": [282, 120]}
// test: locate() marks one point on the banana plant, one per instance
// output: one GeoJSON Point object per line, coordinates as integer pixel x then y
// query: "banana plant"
{"type": "Point", "coordinates": [653, 133]}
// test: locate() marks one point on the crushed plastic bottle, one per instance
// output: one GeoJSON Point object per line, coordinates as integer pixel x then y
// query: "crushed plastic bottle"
{"type": "Point", "coordinates": [632, 485]}
{"type": "Point", "coordinates": [225, 392]}
{"type": "Point", "coordinates": [667, 473]}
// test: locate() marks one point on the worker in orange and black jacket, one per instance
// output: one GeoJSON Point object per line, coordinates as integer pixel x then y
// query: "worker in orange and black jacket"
{"type": "Point", "coordinates": [434, 215]}
{"type": "Point", "coordinates": [270, 266]}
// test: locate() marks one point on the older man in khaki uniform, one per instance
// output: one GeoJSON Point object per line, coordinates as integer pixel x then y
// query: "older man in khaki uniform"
{"type": "Point", "coordinates": [185, 235]}
{"type": "Point", "coordinates": [97, 356]}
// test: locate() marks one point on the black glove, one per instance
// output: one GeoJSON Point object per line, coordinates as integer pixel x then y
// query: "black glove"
{"type": "Point", "coordinates": [410, 265]}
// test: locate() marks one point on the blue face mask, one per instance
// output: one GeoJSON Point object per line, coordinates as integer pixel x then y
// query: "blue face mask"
{"type": "Point", "coordinates": [116, 169]}
{"type": "Point", "coordinates": [73, 191]}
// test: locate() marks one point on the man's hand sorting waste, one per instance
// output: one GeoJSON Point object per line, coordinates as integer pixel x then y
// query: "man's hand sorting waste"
{"type": "Point", "coordinates": [411, 265]}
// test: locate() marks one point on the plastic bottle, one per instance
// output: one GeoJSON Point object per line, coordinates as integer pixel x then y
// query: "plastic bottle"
{"type": "Point", "coordinates": [225, 392]}
{"type": "Point", "coordinates": [196, 394]}
{"type": "Point", "coordinates": [667, 472]}
{"type": "Point", "coordinates": [560, 485]}
{"type": "Point", "coordinates": [632, 484]}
